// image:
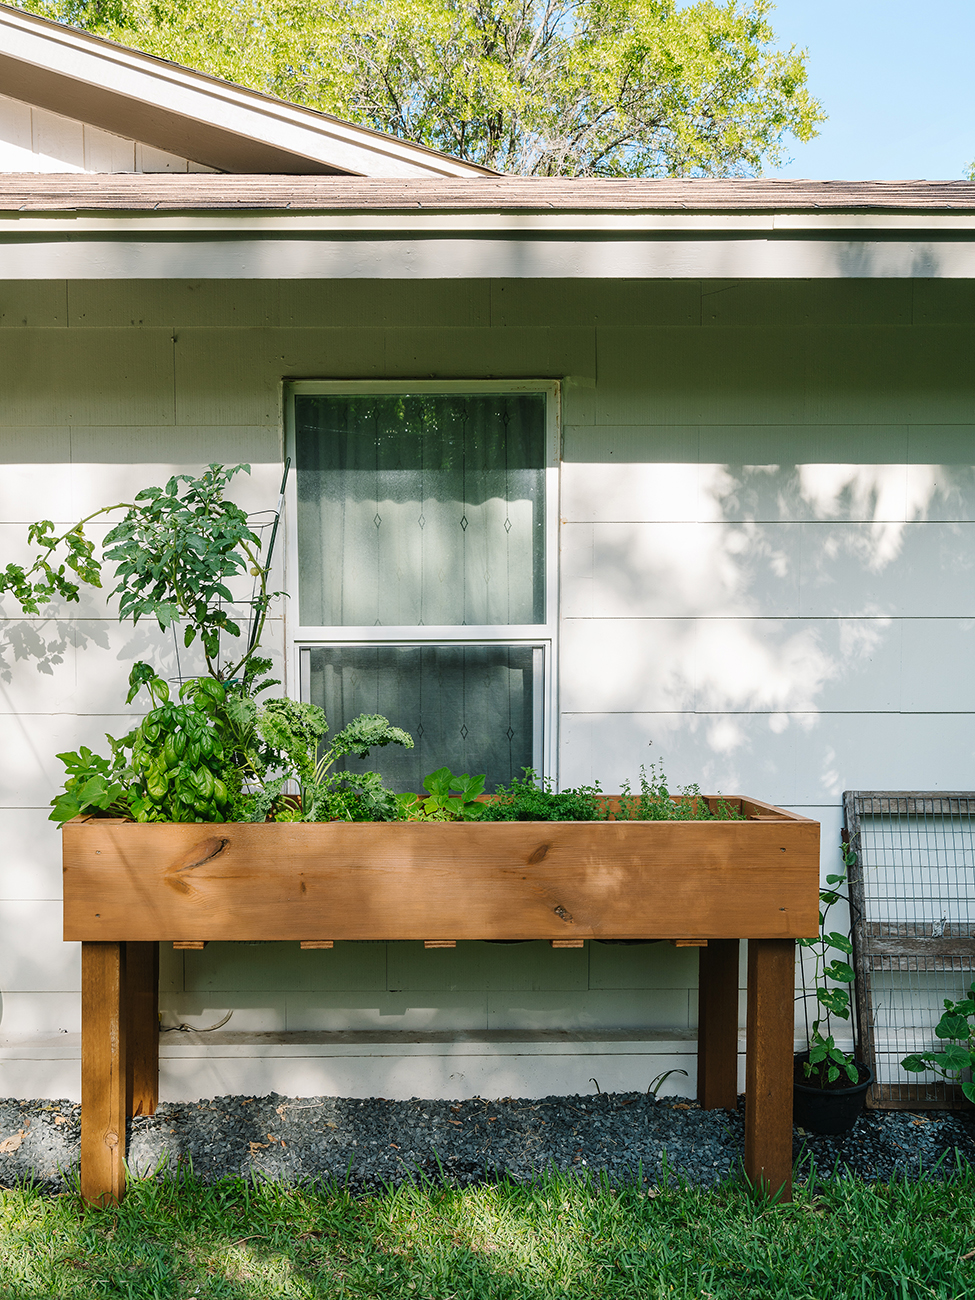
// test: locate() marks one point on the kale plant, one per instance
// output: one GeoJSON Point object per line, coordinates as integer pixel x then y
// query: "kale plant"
{"type": "Point", "coordinates": [286, 737]}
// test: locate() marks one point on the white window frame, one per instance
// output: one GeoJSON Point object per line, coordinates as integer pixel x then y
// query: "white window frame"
{"type": "Point", "coordinates": [543, 637]}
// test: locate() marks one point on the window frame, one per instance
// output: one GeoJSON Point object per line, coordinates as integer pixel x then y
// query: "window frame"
{"type": "Point", "coordinates": [539, 636]}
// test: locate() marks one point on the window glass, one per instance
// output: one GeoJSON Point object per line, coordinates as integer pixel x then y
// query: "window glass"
{"type": "Point", "coordinates": [420, 510]}
{"type": "Point", "coordinates": [467, 707]}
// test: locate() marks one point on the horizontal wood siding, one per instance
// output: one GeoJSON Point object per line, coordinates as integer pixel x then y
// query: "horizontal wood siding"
{"type": "Point", "coordinates": [768, 503]}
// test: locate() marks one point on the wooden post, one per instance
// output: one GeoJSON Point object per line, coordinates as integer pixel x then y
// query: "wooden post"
{"type": "Point", "coordinates": [142, 1028]}
{"type": "Point", "coordinates": [103, 1072]}
{"type": "Point", "coordinates": [768, 1065]}
{"type": "Point", "coordinates": [717, 1034]}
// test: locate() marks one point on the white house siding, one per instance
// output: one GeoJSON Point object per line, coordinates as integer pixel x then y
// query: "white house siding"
{"type": "Point", "coordinates": [34, 139]}
{"type": "Point", "coordinates": [768, 548]}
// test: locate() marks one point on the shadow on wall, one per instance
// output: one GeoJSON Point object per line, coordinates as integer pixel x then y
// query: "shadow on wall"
{"type": "Point", "coordinates": [789, 591]}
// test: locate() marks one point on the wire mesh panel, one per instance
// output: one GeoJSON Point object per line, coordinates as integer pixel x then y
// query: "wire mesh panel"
{"type": "Point", "coordinates": [912, 890]}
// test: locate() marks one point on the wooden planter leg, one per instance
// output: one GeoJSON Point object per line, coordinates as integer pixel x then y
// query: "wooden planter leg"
{"type": "Point", "coordinates": [768, 1065]}
{"type": "Point", "coordinates": [103, 1072]}
{"type": "Point", "coordinates": [717, 1034]}
{"type": "Point", "coordinates": [142, 1029]}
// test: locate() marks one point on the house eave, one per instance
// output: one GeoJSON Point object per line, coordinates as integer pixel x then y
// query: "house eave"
{"type": "Point", "coordinates": [281, 227]}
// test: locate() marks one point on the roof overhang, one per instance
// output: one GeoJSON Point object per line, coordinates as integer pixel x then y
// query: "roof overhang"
{"type": "Point", "coordinates": [277, 227]}
{"type": "Point", "coordinates": [196, 116]}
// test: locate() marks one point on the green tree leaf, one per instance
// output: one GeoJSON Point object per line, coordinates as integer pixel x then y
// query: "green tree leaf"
{"type": "Point", "coordinates": [553, 88]}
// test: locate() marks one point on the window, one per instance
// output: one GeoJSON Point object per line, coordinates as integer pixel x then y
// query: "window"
{"type": "Point", "coordinates": [425, 517]}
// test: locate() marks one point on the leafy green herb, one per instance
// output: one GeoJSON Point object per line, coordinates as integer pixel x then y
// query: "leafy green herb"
{"type": "Point", "coordinates": [656, 803]}
{"type": "Point", "coordinates": [528, 798]}
{"type": "Point", "coordinates": [93, 785]}
{"type": "Point", "coordinates": [449, 798]}
{"type": "Point", "coordinates": [218, 753]}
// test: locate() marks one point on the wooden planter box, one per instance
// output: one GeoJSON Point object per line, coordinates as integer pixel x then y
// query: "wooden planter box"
{"type": "Point", "coordinates": [128, 886]}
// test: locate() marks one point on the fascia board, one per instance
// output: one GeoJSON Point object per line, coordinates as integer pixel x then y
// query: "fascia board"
{"type": "Point", "coordinates": [874, 221]}
{"type": "Point", "coordinates": [178, 109]}
{"type": "Point", "coordinates": [477, 256]}
{"type": "Point", "coordinates": [425, 221]}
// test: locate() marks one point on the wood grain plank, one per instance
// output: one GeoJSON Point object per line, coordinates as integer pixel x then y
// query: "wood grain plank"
{"type": "Point", "coordinates": [103, 1072]}
{"type": "Point", "coordinates": [142, 1028]}
{"type": "Point", "coordinates": [917, 946]}
{"type": "Point", "coordinates": [717, 1034]}
{"type": "Point", "coordinates": [554, 880]}
{"type": "Point", "coordinates": [768, 1065]}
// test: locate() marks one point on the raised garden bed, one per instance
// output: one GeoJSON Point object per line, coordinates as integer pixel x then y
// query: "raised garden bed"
{"type": "Point", "coordinates": [128, 886]}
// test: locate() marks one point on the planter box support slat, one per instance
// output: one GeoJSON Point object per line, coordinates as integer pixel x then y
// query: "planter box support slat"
{"type": "Point", "coordinates": [142, 1028]}
{"type": "Point", "coordinates": [717, 1021]}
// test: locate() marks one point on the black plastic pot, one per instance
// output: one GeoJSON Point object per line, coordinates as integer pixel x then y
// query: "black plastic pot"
{"type": "Point", "coordinates": [830, 1110]}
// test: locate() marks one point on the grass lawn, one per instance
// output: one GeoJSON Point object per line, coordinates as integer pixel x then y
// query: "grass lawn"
{"type": "Point", "coordinates": [558, 1238]}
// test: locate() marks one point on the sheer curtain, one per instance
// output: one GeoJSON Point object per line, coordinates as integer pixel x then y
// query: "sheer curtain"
{"type": "Point", "coordinates": [415, 511]}
{"type": "Point", "coordinates": [420, 510]}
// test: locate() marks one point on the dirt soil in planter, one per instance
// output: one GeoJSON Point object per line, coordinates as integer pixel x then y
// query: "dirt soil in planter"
{"type": "Point", "coordinates": [371, 1143]}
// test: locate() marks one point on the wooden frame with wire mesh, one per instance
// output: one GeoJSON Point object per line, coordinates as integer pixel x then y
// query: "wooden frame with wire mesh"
{"type": "Point", "coordinates": [912, 898]}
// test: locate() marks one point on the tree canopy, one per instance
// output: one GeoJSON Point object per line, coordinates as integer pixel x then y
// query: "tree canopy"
{"type": "Point", "coordinates": [535, 87]}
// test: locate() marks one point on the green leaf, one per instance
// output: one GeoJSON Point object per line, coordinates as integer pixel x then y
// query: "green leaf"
{"type": "Point", "coordinates": [836, 940]}
{"type": "Point", "coordinates": [144, 674]}
{"type": "Point", "coordinates": [952, 1026]}
{"type": "Point", "coordinates": [953, 1058]}
{"type": "Point", "coordinates": [835, 1001]}
{"type": "Point", "coordinates": [915, 1063]}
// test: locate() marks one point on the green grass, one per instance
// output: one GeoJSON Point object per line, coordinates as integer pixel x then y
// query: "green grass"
{"type": "Point", "coordinates": [559, 1238]}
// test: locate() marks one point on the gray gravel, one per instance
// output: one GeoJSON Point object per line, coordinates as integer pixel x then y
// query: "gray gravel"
{"type": "Point", "coordinates": [371, 1143]}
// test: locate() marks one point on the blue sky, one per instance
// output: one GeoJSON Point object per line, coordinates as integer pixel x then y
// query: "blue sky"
{"type": "Point", "coordinates": [897, 82]}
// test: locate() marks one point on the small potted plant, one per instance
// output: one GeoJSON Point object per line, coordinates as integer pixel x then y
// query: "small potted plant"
{"type": "Point", "coordinates": [830, 1085]}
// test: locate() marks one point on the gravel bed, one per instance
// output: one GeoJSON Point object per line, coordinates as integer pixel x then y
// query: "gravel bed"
{"type": "Point", "coordinates": [368, 1144]}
